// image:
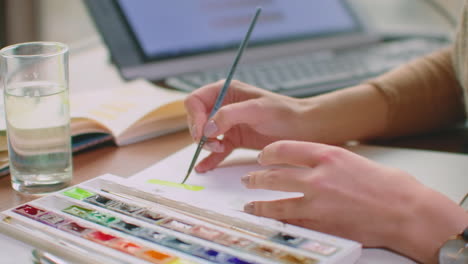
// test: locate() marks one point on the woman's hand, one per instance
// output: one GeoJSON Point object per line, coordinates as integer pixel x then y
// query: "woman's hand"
{"type": "Point", "coordinates": [250, 117]}
{"type": "Point", "coordinates": [253, 118]}
{"type": "Point", "coordinates": [353, 197]}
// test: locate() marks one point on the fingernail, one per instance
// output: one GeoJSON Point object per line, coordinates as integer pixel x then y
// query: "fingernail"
{"type": "Point", "coordinates": [210, 128]}
{"type": "Point", "coordinates": [193, 131]}
{"type": "Point", "coordinates": [245, 180]}
{"type": "Point", "coordinates": [214, 146]}
{"type": "Point", "coordinates": [249, 208]}
{"type": "Point", "coordinates": [199, 169]}
{"type": "Point", "coordinates": [259, 157]}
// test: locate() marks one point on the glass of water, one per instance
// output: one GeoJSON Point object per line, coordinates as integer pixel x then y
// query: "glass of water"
{"type": "Point", "coordinates": [37, 112]}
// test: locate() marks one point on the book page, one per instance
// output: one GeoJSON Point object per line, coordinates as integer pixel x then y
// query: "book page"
{"type": "Point", "coordinates": [146, 130]}
{"type": "Point", "coordinates": [119, 109]}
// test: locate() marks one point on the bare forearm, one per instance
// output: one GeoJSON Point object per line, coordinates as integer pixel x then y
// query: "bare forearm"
{"type": "Point", "coordinates": [354, 113]}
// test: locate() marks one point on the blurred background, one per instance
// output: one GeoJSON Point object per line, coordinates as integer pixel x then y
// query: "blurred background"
{"type": "Point", "coordinates": [69, 22]}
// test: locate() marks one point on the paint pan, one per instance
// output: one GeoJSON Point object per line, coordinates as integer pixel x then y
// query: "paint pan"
{"type": "Point", "coordinates": [287, 239]}
{"type": "Point", "coordinates": [219, 257]}
{"type": "Point", "coordinates": [177, 225]}
{"type": "Point", "coordinates": [235, 260]}
{"type": "Point", "coordinates": [182, 261]}
{"type": "Point", "coordinates": [206, 232]}
{"type": "Point", "coordinates": [289, 258]}
{"type": "Point", "coordinates": [126, 227]}
{"type": "Point", "coordinates": [78, 193]}
{"type": "Point", "coordinates": [29, 211]}
{"type": "Point", "coordinates": [75, 228]}
{"type": "Point", "coordinates": [100, 200]}
{"type": "Point", "coordinates": [125, 246]}
{"type": "Point", "coordinates": [180, 245]}
{"type": "Point", "coordinates": [319, 248]}
{"type": "Point", "coordinates": [51, 219]}
{"type": "Point", "coordinates": [100, 237]}
{"type": "Point", "coordinates": [149, 216]}
{"type": "Point", "coordinates": [77, 211]}
{"type": "Point", "coordinates": [266, 251]}
{"type": "Point", "coordinates": [101, 218]}
{"type": "Point", "coordinates": [151, 235]}
{"type": "Point", "coordinates": [211, 255]}
{"type": "Point", "coordinates": [156, 257]}
{"type": "Point", "coordinates": [124, 208]}
{"type": "Point", "coordinates": [234, 241]}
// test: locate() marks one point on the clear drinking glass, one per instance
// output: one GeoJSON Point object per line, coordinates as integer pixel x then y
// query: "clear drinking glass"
{"type": "Point", "coordinates": [37, 112]}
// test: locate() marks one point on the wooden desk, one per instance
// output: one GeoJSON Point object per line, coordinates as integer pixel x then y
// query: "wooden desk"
{"type": "Point", "coordinates": [121, 161]}
{"type": "Point", "coordinates": [450, 140]}
{"type": "Point", "coordinates": [126, 161]}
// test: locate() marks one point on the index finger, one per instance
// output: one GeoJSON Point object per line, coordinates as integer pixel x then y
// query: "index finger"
{"type": "Point", "coordinates": [199, 104]}
{"type": "Point", "coordinates": [298, 153]}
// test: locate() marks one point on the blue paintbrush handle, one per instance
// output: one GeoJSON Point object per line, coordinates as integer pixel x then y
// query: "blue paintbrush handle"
{"type": "Point", "coordinates": [222, 93]}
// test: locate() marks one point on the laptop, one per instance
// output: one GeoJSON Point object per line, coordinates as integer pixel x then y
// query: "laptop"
{"type": "Point", "coordinates": [298, 48]}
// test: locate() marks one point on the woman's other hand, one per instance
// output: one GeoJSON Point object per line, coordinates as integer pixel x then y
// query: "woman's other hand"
{"type": "Point", "coordinates": [350, 196]}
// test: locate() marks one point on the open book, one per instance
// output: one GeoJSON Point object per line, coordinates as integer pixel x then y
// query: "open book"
{"type": "Point", "coordinates": [135, 112]}
{"type": "Point", "coordinates": [131, 113]}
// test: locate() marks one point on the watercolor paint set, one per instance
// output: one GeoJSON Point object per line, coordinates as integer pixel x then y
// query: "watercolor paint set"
{"type": "Point", "coordinates": [105, 221]}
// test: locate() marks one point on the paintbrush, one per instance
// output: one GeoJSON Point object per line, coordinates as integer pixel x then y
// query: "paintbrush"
{"type": "Point", "coordinates": [219, 99]}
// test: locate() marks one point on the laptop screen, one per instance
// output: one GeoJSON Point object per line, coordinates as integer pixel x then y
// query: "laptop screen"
{"type": "Point", "coordinates": [158, 39]}
{"type": "Point", "coordinates": [170, 29]}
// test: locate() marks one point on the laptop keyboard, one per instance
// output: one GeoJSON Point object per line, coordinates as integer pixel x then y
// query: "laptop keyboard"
{"type": "Point", "coordinates": [318, 72]}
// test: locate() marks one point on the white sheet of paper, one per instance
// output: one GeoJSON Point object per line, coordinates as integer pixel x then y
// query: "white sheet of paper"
{"type": "Point", "coordinates": [444, 172]}
{"type": "Point", "coordinates": [441, 171]}
{"type": "Point", "coordinates": [223, 188]}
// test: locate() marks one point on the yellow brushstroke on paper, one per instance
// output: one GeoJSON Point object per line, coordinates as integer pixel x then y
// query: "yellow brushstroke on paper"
{"type": "Point", "coordinates": [177, 185]}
